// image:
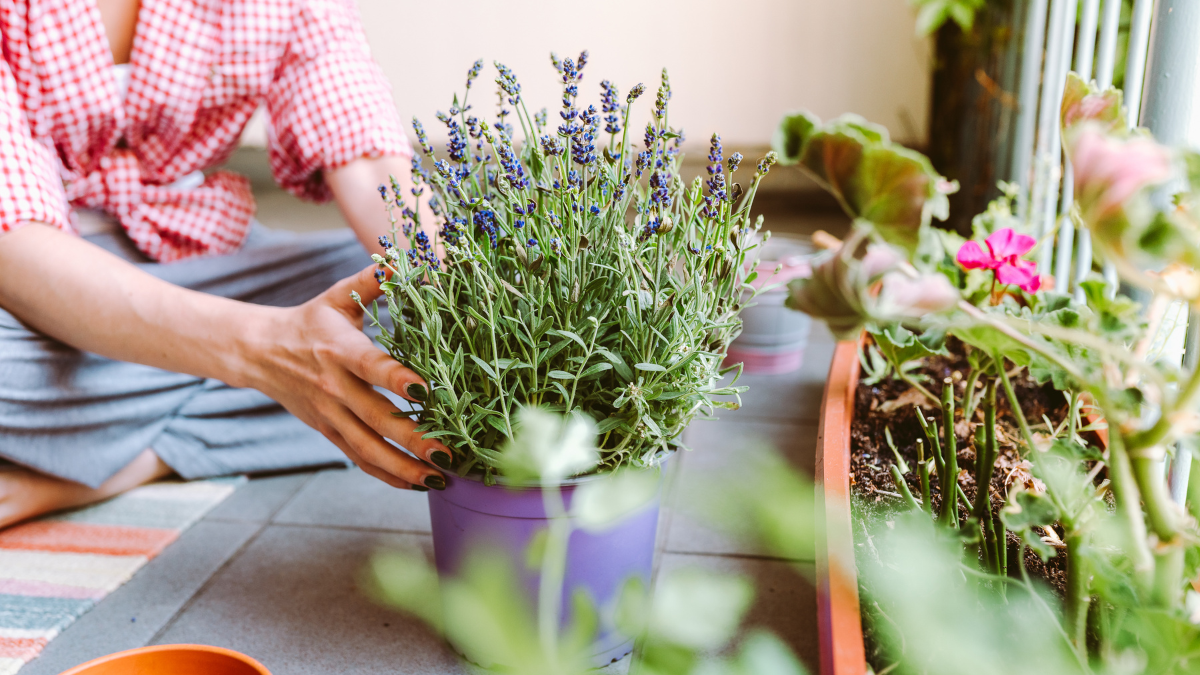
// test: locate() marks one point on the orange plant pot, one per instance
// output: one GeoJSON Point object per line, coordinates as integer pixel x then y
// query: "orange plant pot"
{"type": "Point", "coordinates": [172, 660]}
{"type": "Point", "coordinates": [839, 624]}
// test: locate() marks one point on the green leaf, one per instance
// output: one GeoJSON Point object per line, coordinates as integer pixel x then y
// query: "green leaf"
{"type": "Point", "coordinates": [560, 375]}
{"type": "Point", "coordinates": [569, 334]}
{"type": "Point", "coordinates": [608, 424]}
{"type": "Point", "coordinates": [792, 133]}
{"type": "Point", "coordinates": [486, 368]}
{"type": "Point", "coordinates": [618, 363]}
{"type": "Point", "coordinates": [652, 367]}
{"type": "Point", "coordinates": [899, 345]}
{"type": "Point", "coordinates": [595, 369]}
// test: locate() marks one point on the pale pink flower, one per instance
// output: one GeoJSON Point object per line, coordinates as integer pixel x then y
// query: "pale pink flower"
{"type": "Point", "coordinates": [903, 296]}
{"type": "Point", "coordinates": [879, 259]}
{"type": "Point", "coordinates": [1003, 257]}
{"type": "Point", "coordinates": [1109, 171]}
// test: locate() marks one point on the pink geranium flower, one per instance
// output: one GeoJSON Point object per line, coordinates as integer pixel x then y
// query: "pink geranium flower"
{"type": "Point", "coordinates": [1110, 171]}
{"type": "Point", "coordinates": [1003, 257]}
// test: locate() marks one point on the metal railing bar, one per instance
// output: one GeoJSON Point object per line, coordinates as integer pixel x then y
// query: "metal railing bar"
{"type": "Point", "coordinates": [1058, 59]}
{"type": "Point", "coordinates": [1031, 78]}
{"type": "Point", "coordinates": [1106, 50]}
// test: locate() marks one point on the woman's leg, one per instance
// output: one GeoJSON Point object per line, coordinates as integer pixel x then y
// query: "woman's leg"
{"type": "Point", "coordinates": [26, 494]}
{"type": "Point", "coordinates": [80, 425]}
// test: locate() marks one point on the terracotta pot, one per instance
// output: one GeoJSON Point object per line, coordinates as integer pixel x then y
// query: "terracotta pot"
{"type": "Point", "coordinates": [172, 660]}
{"type": "Point", "coordinates": [839, 623]}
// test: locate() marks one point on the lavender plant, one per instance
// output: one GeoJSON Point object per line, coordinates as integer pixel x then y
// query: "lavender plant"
{"type": "Point", "coordinates": [568, 269]}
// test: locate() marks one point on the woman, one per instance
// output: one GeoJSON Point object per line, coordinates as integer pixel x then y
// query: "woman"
{"type": "Point", "coordinates": [175, 334]}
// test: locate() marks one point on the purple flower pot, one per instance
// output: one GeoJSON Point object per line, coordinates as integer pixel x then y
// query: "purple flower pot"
{"type": "Point", "coordinates": [469, 514]}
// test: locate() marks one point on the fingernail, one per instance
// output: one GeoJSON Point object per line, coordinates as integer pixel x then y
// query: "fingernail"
{"type": "Point", "coordinates": [418, 488]}
{"type": "Point", "coordinates": [440, 458]}
{"type": "Point", "coordinates": [416, 391]}
{"type": "Point", "coordinates": [435, 482]}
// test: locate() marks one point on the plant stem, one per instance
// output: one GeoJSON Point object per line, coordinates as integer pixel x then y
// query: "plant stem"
{"type": "Point", "coordinates": [985, 459]}
{"type": "Point", "coordinates": [969, 400]}
{"type": "Point", "coordinates": [1078, 597]}
{"type": "Point", "coordinates": [1129, 511]}
{"type": "Point", "coordinates": [923, 468]}
{"type": "Point", "coordinates": [902, 486]}
{"type": "Point", "coordinates": [949, 516]}
{"type": "Point", "coordinates": [1013, 403]}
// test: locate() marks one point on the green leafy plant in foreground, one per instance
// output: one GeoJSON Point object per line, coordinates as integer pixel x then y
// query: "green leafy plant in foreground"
{"type": "Point", "coordinates": [484, 614]}
{"type": "Point", "coordinates": [576, 273]}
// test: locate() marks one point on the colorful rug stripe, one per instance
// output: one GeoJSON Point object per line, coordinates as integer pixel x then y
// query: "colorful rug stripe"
{"type": "Point", "coordinates": [54, 569]}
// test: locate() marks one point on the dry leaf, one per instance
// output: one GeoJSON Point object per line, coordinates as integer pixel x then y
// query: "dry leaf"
{"type": "Point", "coordinates": [1021, 474]}
{"type": "Point", "coordinates": [908, 399]}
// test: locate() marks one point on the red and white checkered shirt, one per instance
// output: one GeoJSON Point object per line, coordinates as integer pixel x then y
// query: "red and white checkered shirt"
{"type": "Point", "coordinates": [200, 68]}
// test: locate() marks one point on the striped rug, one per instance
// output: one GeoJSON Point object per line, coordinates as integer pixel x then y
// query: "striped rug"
{"type": "Point", "coordinates": [54, 569]}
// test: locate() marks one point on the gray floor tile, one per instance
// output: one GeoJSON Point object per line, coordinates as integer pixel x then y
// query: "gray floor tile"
{"type": "Point", "coordinates": [785, 601]}
{"type": "Point", "coordinates": [259, 499]}
{"type": "Point", "coordinates": [721, 450]}
{"type": "Point", "coordinates": [292, 601]}
{"type": "Point", "coordinates": [132, 614]}
{"type": "Point", "coordinates": [791, 397]}
{"type": "Point", "coordinates": [351, 498]}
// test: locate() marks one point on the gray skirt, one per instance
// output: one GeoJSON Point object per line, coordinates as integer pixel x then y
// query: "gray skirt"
{"type": "Point", "coordinates": [83, 417]}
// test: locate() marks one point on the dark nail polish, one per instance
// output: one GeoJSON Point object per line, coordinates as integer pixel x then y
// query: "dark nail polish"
{"type": "Point", "coordinates": [418, 488]}
{"type": "Point", "coordinates": [416, 391]}
{"type": "Point", "coordinates": [442, 459]}
{"type": "Point", "coordinates": [435, 482]}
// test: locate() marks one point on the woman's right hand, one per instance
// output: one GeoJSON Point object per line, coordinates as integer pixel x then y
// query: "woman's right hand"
{"type": "Point", "coordinates": [316, 361]}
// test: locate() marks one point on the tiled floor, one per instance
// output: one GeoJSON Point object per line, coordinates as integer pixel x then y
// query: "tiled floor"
{"type": "Point", "coordinates": [273, 572]}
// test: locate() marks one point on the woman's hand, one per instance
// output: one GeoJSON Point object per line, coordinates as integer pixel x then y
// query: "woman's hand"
{"type": "Point", "coordinates": [316, 361]}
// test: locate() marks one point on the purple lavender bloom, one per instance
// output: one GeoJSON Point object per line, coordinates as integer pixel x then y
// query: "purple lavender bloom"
{"type": "Point", "coordinates": [551, 147]}
{"type": "Point", "coordinates": [637, 90]}
{"type": "Point", "coordinates": [422, 138]}
{"type": "Point", "coordinates": [474, 72]}
{"type": "Point", "coordinates": [383, 192]}
{"type": "Point", "coordinates": [531, 243]}
{"type": "Point", "coordinates": [485, 220]}
{"type": "Point", "coordinates": [660, 183]}
{"type": "Point", "coordinates": [511, 165]}
{"type": "Point", "coordinates": [664, 95]}
{"type": "Point", "coordinates": [508, 82]}
{"type": "Point", "coordinates": [735, 160]}
{"type": "Point", "coordinates": [716, 182]}
{"type": "Point", "coordinates": [453, 230]}
{"type": "Point", "coordinates": [583, 146]}
{"type": "Point", "coordinates": [385, 242]}
{"type": "Point", "coordinates": [610, 106]}
{"type": "Point", "coordinates": [456, 145]}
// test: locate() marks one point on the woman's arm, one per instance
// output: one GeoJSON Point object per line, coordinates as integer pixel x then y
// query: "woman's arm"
{"type": "Point", "coordinates": [313, 359]}
{"type": "Point", "coordinates": [355, 186]}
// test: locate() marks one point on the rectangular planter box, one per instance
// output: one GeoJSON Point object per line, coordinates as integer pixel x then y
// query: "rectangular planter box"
{"type": "Point", "coordinates": [839, 622]}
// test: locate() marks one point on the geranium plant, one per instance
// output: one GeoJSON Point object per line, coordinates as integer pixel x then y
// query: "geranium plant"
{"type": "Point", "coordinates": [569, 270]}
{"type": "Point", "coordinates": [1130, 548]}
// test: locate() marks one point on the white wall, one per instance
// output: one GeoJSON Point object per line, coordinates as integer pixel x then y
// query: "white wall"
{"type": "Point", "coordinates": [735, 66]}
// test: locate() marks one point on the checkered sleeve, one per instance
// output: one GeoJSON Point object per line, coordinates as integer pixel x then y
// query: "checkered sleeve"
{"type": "Point", "coordinates": [330, 103]}
{"type": "Point", "coordinates": [30, 185]}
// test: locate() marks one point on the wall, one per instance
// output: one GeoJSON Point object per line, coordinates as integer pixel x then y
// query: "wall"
{"type": "Point", "coordinates": [735, 67]}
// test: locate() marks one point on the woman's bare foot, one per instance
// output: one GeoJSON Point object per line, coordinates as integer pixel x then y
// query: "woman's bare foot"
{"type": "Point", "coordinates": [26, 494]}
